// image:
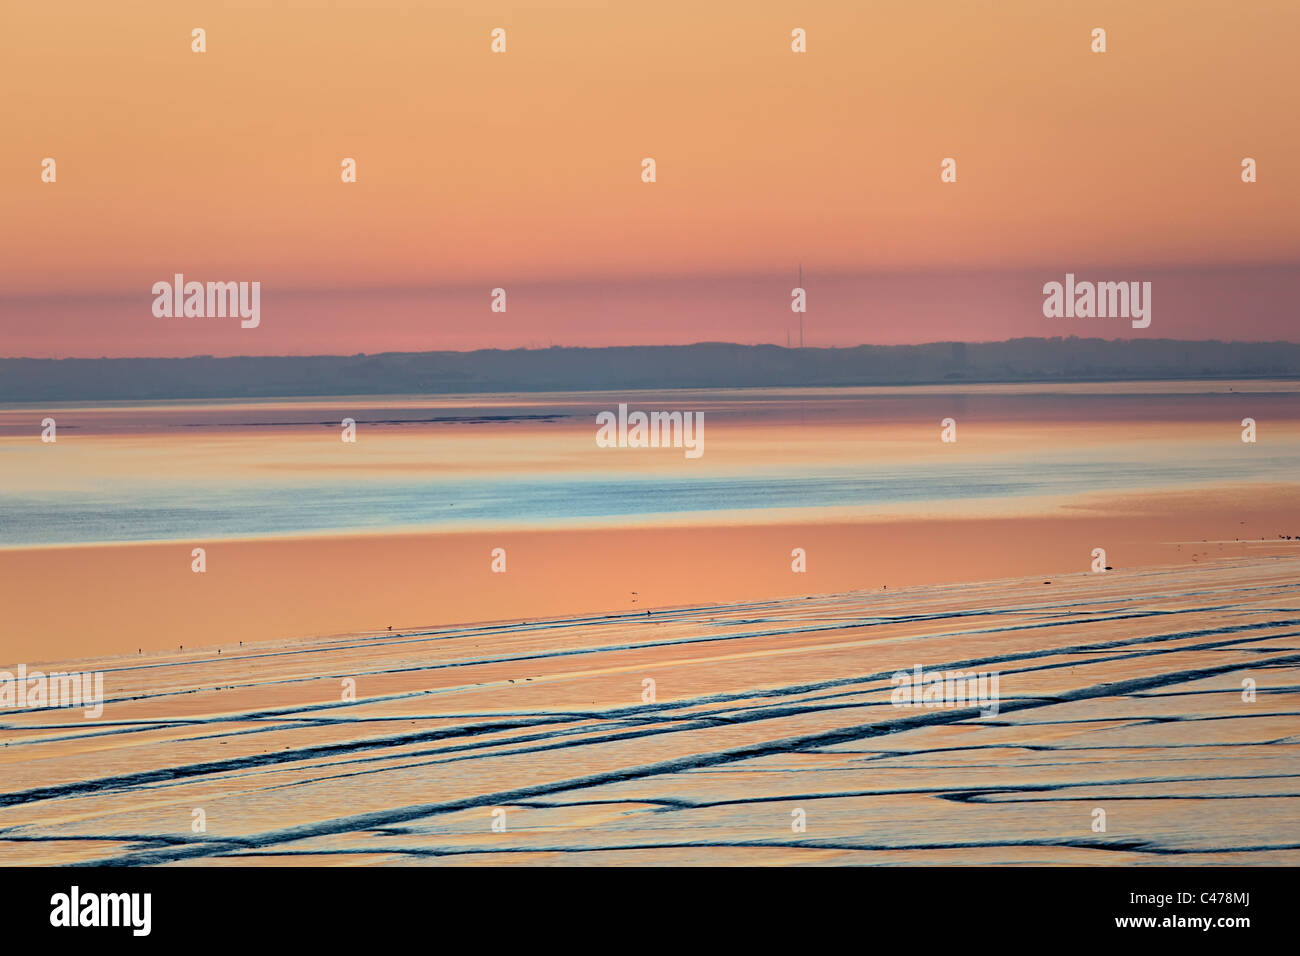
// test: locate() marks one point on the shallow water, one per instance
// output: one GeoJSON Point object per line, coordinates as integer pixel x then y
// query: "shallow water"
{"type": "Point", "coordinates": [214, 470]}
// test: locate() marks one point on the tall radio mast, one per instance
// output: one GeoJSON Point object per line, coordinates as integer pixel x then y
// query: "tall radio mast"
{"type": "Point", "coordinates": [805, 305]}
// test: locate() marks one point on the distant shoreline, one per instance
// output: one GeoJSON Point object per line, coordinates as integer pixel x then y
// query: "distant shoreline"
{"type": "Point", "coordinates": [703, 365]}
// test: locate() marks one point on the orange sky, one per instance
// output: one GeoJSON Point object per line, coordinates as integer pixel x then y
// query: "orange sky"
{"type": "Point", "coordinates": [479, 170]}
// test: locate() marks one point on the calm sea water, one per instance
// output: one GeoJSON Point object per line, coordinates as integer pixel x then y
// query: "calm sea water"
{"type": "Point", "coordinates": [211, 470]}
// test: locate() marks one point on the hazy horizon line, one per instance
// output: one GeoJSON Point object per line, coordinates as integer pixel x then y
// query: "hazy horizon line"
{"type": "Point", "coordinates": [649, 345]}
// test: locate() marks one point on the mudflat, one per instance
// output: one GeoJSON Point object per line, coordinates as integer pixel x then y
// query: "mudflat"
{"type": "Point", "coordinates": [1144, 716]}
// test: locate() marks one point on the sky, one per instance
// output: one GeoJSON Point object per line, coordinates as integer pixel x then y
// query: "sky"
{"type": "Point", "coordinates": [522, 171]}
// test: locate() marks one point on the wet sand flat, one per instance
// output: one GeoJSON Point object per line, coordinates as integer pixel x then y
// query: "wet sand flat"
{"type": "Point", "coordinates": [1119, 692]}
{"type": "Point", "coordinates": [71, 602]}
